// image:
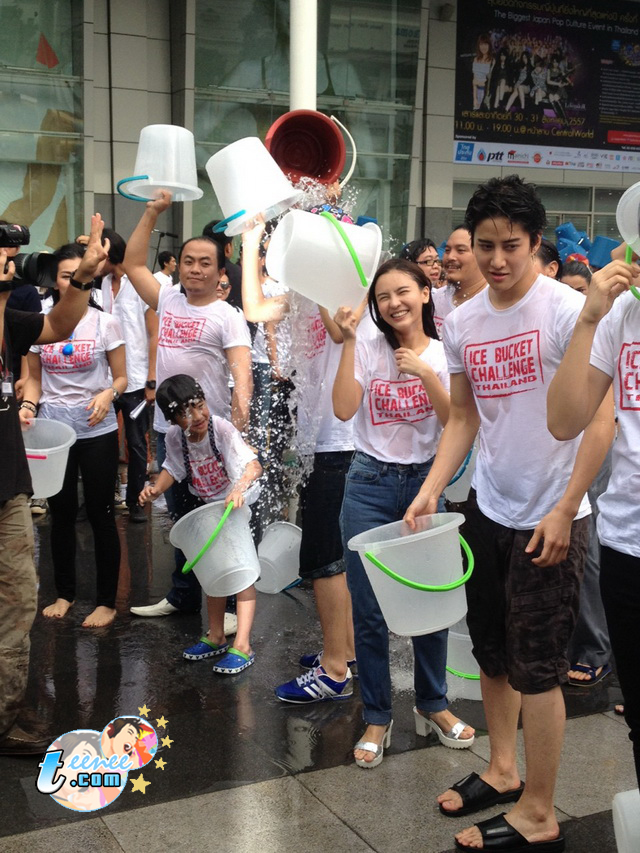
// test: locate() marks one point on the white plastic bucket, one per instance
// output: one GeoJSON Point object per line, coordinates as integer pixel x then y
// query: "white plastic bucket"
{"type": "Point", "coordinates": [463, 672]}
{"type": "Point", "coordinates": [166, 159]}
{"type": "Point", "coordinates": [430, 555]}
{"type": "Point", "coordinates": [279, 555]}
{"type": "Point", "coordinates": [458, 489]}
{"type": "Point", "coordinates": [626, 821]}
{"type": "Point", "coordinates": [47, 444]}
{"type": "Point", "coordinates": [308, 254]}
{"type": "Point", "coordinates": [247, 181]}
{"type": "Point", "coordinates": [628, 218]}
{"type": "Point", "coordinates": [231, 563]}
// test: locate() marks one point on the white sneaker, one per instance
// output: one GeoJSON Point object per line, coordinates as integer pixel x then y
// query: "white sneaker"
{"type": "Point", "coordinates": [230, 623]}
{"type": "Point", "coordinates": [162, 608]}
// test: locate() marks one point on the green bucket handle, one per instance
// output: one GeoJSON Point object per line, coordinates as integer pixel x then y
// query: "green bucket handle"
{"type": "Point", "coordinates": [188, 566]}
{"type": "Point", "coordinates": [356, 260]}
{"type": "Point", "coordinates": [124, 181]}
{"type": "Point", "coordinates": [463, 674]}
{"type": "Point", "coordinates": [423, 587]}
{"type": "Point", "coordinates": [628, 257]}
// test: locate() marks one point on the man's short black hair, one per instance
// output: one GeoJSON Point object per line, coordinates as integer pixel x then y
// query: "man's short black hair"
{"type": "Point", "coordinates": [175, 393]}
{"type": "Point", "coordinates": [220, 237]}
{"type": "Point", "coordinates": [117, 246]}
{"type": "Point", "coordinates": [508, 198]}
{"type": "Point", "coordinates": [413, 250]}
{"type": "Point", "coordinates": [219, 248]}
{"type": "Point", "coordinates": [164, 258]}
{"type": "Point", "coordinates": [547, 253]}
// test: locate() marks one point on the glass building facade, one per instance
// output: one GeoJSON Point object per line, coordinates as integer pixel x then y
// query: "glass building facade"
{"type": "Point", "coordinates": [366, 75]}
{"type": "Point", "coordinates": [41, 119]}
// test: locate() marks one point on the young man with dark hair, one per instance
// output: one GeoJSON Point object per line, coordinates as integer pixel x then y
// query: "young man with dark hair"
{"type": "Point", "coordinates": [167, 263]}
{"type": "Point", "coordinates": [526, 518]}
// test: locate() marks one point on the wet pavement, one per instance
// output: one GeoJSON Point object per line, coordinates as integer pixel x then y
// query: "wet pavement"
{"type": "Point", "coordinates": [237, 754]}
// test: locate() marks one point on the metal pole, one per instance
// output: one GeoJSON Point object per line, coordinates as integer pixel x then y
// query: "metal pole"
{"type": "Point", "coordinates": [303, 50]}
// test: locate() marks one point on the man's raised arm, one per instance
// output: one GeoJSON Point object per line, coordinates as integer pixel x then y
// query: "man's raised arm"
{"type": "Point", "coordinates": [135, 259]}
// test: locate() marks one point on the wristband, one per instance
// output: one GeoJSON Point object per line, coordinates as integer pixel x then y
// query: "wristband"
{"type": "Point", "coordinates": [116, 394]}
{"type": "Point", "coordinates": [79, 285]}
{"type": "Point", "coordinates": [26, 404]}
{"type": "Point", "coordinates": [150, 384]}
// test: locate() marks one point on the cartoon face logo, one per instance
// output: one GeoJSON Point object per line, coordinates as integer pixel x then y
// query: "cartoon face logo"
{"type": "Point", "coordinates": [131, 737]}
{"type": "Point", "coordinates": [84, 781]}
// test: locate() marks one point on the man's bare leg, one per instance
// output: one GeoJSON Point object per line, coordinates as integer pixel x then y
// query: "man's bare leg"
{"type": "Point", "coordinates": [502, 709]}
{"type": "Point", "coordinates": [543, 722]}
{"type": "Point", "coordinates": [333, 602]}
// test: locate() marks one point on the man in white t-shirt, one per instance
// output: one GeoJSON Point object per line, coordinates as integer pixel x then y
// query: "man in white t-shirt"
{"type": "Point", "coordinates": [167, 263]}
{"type": "Point", "coordinates": [199, 335]}
{"type": "Point", "coordinates": [526, 517]}
{"type": "Point", "coordinates": [139, 325]}
{"type": "Point", "coordinates": [464, 279]}
{"type": "Point", "coordinates": [604, 351]}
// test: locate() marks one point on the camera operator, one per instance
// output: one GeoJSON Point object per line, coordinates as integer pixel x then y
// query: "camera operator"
{"type": "Point", "coordinates": [18, 331]}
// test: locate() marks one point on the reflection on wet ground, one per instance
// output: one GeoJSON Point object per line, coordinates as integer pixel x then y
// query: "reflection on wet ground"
{"type": "Point", "coordinates": [225, 732]}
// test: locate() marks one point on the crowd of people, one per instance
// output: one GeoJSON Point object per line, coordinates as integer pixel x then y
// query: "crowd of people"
{"type": "Point", "coordinates": [494, 344]}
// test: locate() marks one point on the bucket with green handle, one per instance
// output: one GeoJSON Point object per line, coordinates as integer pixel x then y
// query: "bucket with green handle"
{"type": "Point", "coordinates": [219, 548]}
{"type": "Point", "coordinates": [417, 575]}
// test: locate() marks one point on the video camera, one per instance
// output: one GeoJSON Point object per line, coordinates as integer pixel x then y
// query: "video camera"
{"type": "Point", "coordinates": [37, 268]}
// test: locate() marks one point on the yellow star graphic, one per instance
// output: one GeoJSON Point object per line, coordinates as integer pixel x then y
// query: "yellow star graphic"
{"type": "Point", "coordinates": [140, 784]}
{"type": "Point", "coordinates": [161, 764]}
{"type": "Point", "coordinates": [166, 741]}
{"type": "Point", "coordinates": [144, 711]}
{"type": "Point", "coordinates": [161, 723]}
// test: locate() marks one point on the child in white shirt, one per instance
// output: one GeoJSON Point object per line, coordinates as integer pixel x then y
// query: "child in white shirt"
{"type": "Point", "coordinates": [210, 453]}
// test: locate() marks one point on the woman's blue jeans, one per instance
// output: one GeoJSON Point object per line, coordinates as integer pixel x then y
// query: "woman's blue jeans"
{"type": "Point", "coordinates": [378, 493]}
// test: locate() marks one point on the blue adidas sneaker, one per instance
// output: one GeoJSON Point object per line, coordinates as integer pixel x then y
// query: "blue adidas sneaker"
{"type": "Point", "coordinates": [312, 660]}
{"type": "Point", "coordinates": [315, 686]}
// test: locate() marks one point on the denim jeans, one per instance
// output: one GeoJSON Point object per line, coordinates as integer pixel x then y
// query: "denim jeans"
{"type": "Point", "coordinates": [378, 493]}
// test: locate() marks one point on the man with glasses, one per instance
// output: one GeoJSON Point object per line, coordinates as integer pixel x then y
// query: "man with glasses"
{"type": "Point", "coordinates": [424, 253]}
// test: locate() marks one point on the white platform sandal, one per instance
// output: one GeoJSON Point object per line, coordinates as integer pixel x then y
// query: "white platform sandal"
{"type": "Point", "coordinates": [425, 726]}
{"type": "Point", "coordinates": [375, 748]}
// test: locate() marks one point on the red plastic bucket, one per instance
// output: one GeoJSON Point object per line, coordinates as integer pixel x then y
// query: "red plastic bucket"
{"type": "Point", "coordinates": [306, 143]}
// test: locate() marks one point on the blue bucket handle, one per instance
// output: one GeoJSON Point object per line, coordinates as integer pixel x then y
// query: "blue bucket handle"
{"type": "Point", "coordinates": [128, 180]}
{"type": "Point", "coordinates": [219, 228]}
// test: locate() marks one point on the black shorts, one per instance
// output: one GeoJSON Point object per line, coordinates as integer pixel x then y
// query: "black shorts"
{"type": "Point", "coordinates": [320, 503]}
{"type": "Point", "coordinates": [521, 616]}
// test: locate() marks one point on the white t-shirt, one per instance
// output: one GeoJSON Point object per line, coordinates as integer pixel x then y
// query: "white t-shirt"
{"type": "Point", "coordinates": [510, 357]}
{"type": "Point", "coordinates": [442, 305]}
{"type": "Point", "coordinates": [616, 352]}
{"type": "Point", "coordinates": [129, 310]}
{"type": "Point", "coordinates": [319, 431]}
{"type": "Point", "coordinates": [163, 278]}
{"type": "Point", "coordinates": [192, 340]}
{"type": "Point", "coordinates": [69, 382]}
{"type": "Point", "coordinates": [210, 480]}
{"type": "Point", "coordinates": [396, 421]}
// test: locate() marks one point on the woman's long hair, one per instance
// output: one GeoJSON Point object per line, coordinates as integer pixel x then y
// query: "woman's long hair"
{"type": "Point", "coordinates": [414, 272]}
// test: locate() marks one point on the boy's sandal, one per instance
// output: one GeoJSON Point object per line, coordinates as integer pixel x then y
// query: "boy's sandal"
{"type": "Point", "coordinates": [476, 795]}
{"type": "Point", "coordinates": [233, 662]}
{"type": "Point", "coordinates": [204, 648]}
{"type": "Point", "coordinates": [498, 834]}
{"type": "Point", "coordinates": [592, 672]}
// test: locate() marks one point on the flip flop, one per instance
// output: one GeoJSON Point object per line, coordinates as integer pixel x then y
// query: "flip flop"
{"type": "Point", "coordinates": [591, 671]}
{"type": "Point", "coordinates": [498, 834]}
{"type": "Point", "coordinates": [476, 795]}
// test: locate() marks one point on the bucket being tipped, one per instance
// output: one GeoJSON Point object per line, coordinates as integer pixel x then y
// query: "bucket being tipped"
{"type": "Point", "coordinates": [463, 679]}
{"type": "Point", "coordinates": [247, 181]}
{"type": "Point", "coordinates": [231, 563]}
{"type": "Point", "coordinates": [417, 576]}
{"type": "Point", "coordinates": [306, 143]}
{"type": "Point", "coordinates": [279, 555]}
{"type": "Point", "coordinates": [47, 444]}
{"type": "Point", "coordinates": [166, 159]}
{"type": "Point", "coordinates": [332, 263]}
